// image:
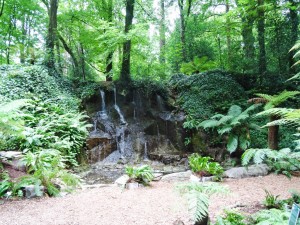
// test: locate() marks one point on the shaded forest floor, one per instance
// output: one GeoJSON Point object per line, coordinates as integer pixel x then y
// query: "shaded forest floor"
{"type": "Point", "coordinates": [158, 204]}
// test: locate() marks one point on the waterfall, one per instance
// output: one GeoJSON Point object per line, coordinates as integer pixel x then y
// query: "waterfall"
{"type": "Point", "coordinates": [160, 103]}
{"type": "Point", "coordinates": [103, 115]}
{"type": "Point", "coordinates": [146, 152]}
{"type": "Point", "coordinates": [117, 108]}
{"type": "Point", "coordinates": [95, 125]}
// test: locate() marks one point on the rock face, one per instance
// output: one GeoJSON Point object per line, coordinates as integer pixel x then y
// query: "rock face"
{"type": "Point", "coordinates": [251, 171]}
{"type": "Point", "coordinates": [131, 126]}
{"type": "Point", "coordinates": [121, 181]}
{"type": "Point", "coordinates": [13, 159]}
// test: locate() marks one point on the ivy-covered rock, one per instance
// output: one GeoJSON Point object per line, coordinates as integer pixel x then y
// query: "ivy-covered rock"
{"type": "Point", "coordinates": [202, 95]}
{"type": "Point", "coordinates": [17, 82]}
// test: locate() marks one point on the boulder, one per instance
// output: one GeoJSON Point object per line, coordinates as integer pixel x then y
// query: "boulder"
{"type": "Point", "coordinates": [10, 155]}
{"type": "Point", "coordinates": [121, 181]}
{"type": "Point", "coordinates": [251, 171]}
{"type": "Point", "coordinates": [176, 177]}
{"type": "Point", "coordinates": [194, 178]}
{"type": "Point", "coordinates": [31, 191]}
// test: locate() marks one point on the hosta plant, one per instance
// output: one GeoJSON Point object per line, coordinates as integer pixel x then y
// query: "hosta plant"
{"type": "Point", "coordinates": [203, 166]}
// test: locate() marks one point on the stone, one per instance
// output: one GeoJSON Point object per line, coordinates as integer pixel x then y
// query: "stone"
{"type": "Point", "coordinates": [194, 178]}
{"type": "Point", "coordinates": [133, 185]}
{"type": "Point", "coordinates": [157, 176]}
{"type": "Point", "coordinates": [251, 171]}
{"type": "Point", "coordinates": [176, 177]}
{"type": "Point", "coordinates": [31, 192]}
{"type": "Point", "coordinates": [121, 181]}
{"type": "Point", "coordinates": [11, 154]}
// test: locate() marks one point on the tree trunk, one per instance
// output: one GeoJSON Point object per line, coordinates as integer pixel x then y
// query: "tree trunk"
{"type": "Point", "coordinates": [125, 70]}
{"type": "Point", "coordinates": [51, 35]}
{"type": "Point", "coordinates": [262, 62]}
{"type": "Point", "coordinates": [273, 135]}
{"type": "Point", "coordinates": [22, 44]}
{"type": "Point", "coordinates": [228, 37]}
{"type": "Point", "coordinates": [162, 32]}
{"type": "Point", "coordinates": [294, 21]}
{"type": "Point", "coordinates": [182, 29]}
{"type": "Point", "coordinates": [109, 59]}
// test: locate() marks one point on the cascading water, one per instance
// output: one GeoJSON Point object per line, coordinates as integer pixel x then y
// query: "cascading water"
{"type": "Point", "coordinates": [103, 115]}
{"type": "Point", "coordinates": [146, 152]}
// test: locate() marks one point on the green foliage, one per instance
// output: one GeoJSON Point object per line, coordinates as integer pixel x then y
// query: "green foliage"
{"type": "Point", "coordinates": [295, 196]}
{"type": "Point", "coordinates": [202, 95]}
{"type": "Point", "coordinates": [142, 174]}
{"type": "Point", "coordinates": [47, 166]}
{"type": "Point", "coordinates": [5, 184]}
{"type": "Point", "coordinates": [271, 201]}
{"type": "Point", "coordinates": [48, 126]}
{"type": "Point", "coordinates": [236, 124]}
{"type": "Point", "coordinates": [19, 82]}
{"type": "Point", "coordinates": [203, 165]}
{"type": "Point", "coordinates": [275, 100]}
{"type": "Point", "coordinates": [197, 65]}
{"type": "Point", "coordinates": [231, 218]}
{"type": "Point", "coordinates": [11, 117]}
{"type": "Point", "coordinates": [272, 216]}
{"type": "Point", "coordinates": [282, 161]}
{"type": "Point", "coordinates": [24, 181]}
{"type": "Point", "coordinates": [198, 195]}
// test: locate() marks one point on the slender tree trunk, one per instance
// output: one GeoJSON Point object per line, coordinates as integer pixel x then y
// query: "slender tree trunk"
{"type": "Point", "coordinates": [51, 36]}
{"type": "Point", "coordinates": [12, 25]}
{"type": "Point", "coordinates": [22, 44]}
{"type": "Point", "coordinates": [273, 135]}
{"type": "Point", "coordinates": [294, 21]}
{"type": "Point", "coordinates": [228, 37]}
{"type": "Point", "coordinates": [125, 70]}
{"type": "Point", "coordinates": [1, 7]}
{"type": "Point", "coordinates": [162, 32]}
{"type": "Point", "coordinates": [182, 29]}
{"type": "Point", "coordinates": [262, 62]}
{"type": "Point", "coordinates": [109, 60]}
{"type": "Point", "coordinates": [71, 53]}
{"type": "Point", "coordinates": [82, 61]}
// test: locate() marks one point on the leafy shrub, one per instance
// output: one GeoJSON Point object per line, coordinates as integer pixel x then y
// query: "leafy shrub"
{"type": "Point", "coordinates": [197, 65]}
{"type": "Point", "coordinates": [282, 161]}
{"type": "Point", "coordinates": [203, 166]}
{"type": "Point", "coordinates": [272, 216]}
{"type": "Point", "coordinates": [231, 218]}
{"type": "Point", "coordinates": [271, 201]}
{"type": "Point", "coordinates": [5, 184]}
{"type": "Point", "coordinates": [142, 174]}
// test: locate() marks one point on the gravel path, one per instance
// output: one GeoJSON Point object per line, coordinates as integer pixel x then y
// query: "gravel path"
{"type": "Point", "coordinates": [156, 205]}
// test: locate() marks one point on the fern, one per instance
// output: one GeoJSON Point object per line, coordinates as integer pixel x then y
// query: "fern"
{"type": "Point", "coordinates": [232, 124]}
{"type": "Point", "coordinates": [275, 100]}
{"type": "Point", "coordinates": [198, 205]}
{"type": "Point", "coordinates": [198, 195]}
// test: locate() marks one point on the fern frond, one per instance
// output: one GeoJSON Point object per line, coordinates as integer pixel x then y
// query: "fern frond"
{"type": "Point", "coordinates": [275, 111]}
{"type": "Point", "coordinates": [234, 110]}
{"type": "Point", "coordinates": [198, 205]}
{"type": "Point", "coordinates": [209, 124]}
{"type": "Point", "coordinates": [258, 156]}
{"type": "Point", "coordinates": [265, 96]}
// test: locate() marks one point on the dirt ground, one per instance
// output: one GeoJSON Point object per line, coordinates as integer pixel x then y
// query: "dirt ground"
{"type": "Point", "coordinates": [158, 204]}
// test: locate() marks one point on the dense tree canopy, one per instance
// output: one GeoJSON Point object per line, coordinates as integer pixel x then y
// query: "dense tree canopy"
{"type": "Point", "coordinates": [105, 39]}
